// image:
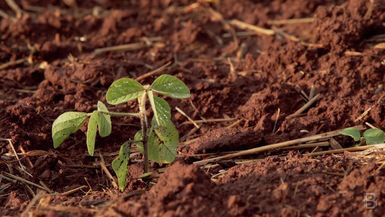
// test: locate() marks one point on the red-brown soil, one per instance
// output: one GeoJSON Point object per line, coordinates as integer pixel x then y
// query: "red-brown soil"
{"type": "Point", "coordinates": [255, 79]}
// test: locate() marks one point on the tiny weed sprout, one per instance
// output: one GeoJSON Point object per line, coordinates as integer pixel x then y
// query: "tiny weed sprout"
{"type": "Point", "coordinates": [157, 140]}
{"type": "Point", "coordinates": [370, 136]}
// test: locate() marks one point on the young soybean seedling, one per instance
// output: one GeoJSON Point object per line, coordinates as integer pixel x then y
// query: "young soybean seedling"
{"type": "Point", "coordinates": [157, 140]}
{"type": "Point", "coordinates": [370, 136]}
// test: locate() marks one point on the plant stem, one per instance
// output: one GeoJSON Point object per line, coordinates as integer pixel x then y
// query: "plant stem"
{"type": "Point", "coordinates": [144, 125]}
{"type": "Point", "coordinates": [119, 114]}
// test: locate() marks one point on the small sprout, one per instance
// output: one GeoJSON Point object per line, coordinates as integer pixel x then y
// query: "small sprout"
{"type": "Point", "coordinates": [158, 141]}
{"type": "Point", "coordinates": [370, 136]}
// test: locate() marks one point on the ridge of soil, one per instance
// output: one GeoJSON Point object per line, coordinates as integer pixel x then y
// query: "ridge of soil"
{"type": "Point", "coordinates": [313, 187]}
{"type": "Point", "coordinates": [255, 79]}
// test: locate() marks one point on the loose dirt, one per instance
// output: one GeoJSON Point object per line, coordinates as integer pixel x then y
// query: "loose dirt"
{"type": "Point", "coordinates": [254, 81]}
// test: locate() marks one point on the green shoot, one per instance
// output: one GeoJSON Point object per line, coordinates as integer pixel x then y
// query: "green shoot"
{"type": "Point", "coordinates": [370, 136]}
{"type": "Point", "coordinates": [157, 141]}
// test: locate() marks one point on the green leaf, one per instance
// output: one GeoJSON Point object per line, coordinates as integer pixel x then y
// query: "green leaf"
{"type": "Point", "coordinates": [165, 144]}
{"type": "Point", "coordinates": [374, 136]}
{"type": "Point", "coordinates": [352, 132]}
{"type": "Point", "coordinates": [91, 132]}
{"type": "Point", "coordinates": [123, 90]}
{"type": "Point", "coordinates": [162, 143]}
{"type": "Point", "coordinates": [120, 165]}
{"type": "Point", "coordinates": [65, 125]}
{"type": "Point", "coordinates": [104, 120]}
{"type": "Point", "coordinates": [161, 109]}
{"type": "Point", "coordinates": [170, 86]}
